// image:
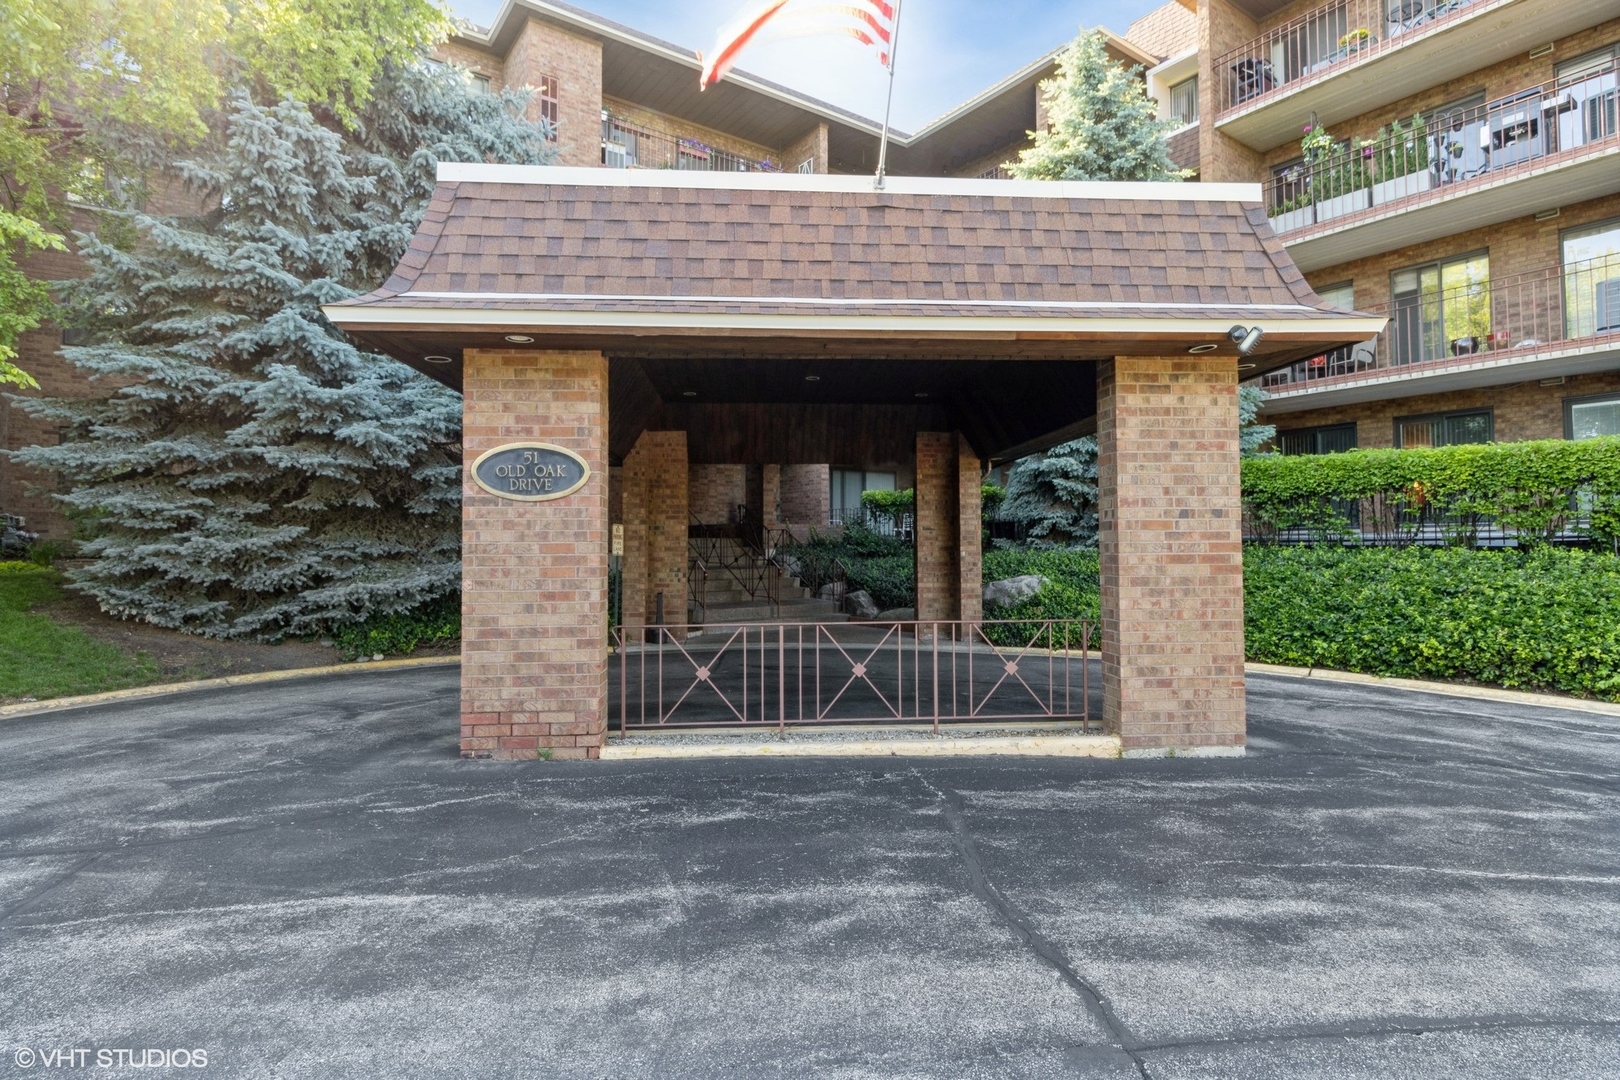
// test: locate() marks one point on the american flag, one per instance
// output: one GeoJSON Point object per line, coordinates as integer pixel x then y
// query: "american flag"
{"type": "Point", "coordinates": [871, 22]}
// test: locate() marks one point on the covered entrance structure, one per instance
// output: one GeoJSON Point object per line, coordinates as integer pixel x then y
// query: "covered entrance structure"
{"type": "Point", "coordinates": [643, 323]}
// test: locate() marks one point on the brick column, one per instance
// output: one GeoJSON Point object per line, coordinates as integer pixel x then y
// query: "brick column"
{"type": "Point", "coordinates": [1172, 553]}
{"type": "Point", "coordinates": [938, 574]}
{"type": "Point", "coordinates": [655, 517]}
{"type": "Point", "coordinates": [534, 575]}
{"type": "Point", "coordinates": [806, 495]}
{"type": "Point", "coordinates": [576, 63]}
{"type": "Point", "coordinates": [771, 494]}
{"type": "Point", "coordinates": [969, 531]}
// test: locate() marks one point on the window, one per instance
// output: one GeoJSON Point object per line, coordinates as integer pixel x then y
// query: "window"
{"type": "Point", "coordinates": [847, 485]}
{"type": "Point", "coordinates": [1591, 417]}
{"type": "Point", "coordinates": [1460, 135]}
{"type": "Point", "coordinates": [1444, 429]}
{"type": "Point", "coordinates": [480, 83]}
{"type": "Point", "coordinates": [1184, 101]}
{"type": "Point", "coordinates": [1587, 97]}
{"type": "Point", "coordinates": [1290, 189]}
{"type": "Point", "coordinates": [1591, 258]}
{"type": "Point", "coordinates": [1440, 309]}
{"type": "Point", "coordinates": [548, 98]}
{"type": "Point", "coordinates": [1333, 439]}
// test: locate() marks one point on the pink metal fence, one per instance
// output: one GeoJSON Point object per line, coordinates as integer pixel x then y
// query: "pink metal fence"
{"type": "Point", "coordinates": [1310, 45]}
{"type": "Point", "coordinates": [777, 674]}
{"type": "Point", "coordinates": [1574, 303]}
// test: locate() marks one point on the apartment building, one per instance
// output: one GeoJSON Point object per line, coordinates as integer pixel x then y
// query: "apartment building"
{"type": "Point", "coordinates": [1453, 165]}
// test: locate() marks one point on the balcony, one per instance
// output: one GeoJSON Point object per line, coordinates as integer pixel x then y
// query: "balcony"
{"type": "Point", "coordinates": [628, 145]}
{"type": "Point", "coordinates": [1559, 320]}
{"type": "Point", "coordinates": [1545, 146]}
{"type": "Point", "coordinates": [1350, 57]}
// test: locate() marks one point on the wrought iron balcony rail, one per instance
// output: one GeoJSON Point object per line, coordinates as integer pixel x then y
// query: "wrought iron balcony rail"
{"type": "Point", "coordinates": [880, 522]}
{"type": "Point", "coordinates": [1421, 159]}
{"type": "Point", "coordinates": [627, 145]}
{"type": "Point", "coordinates": [1317, 40]}
{"type": "Point", "coordinates": [1444, 327]}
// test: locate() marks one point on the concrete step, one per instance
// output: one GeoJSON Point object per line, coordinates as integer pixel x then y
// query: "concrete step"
{"type": "Point", "coordinates": [806, 610]}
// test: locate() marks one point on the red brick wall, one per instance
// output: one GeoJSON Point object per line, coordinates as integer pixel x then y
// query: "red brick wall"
{"type": "Point", "coordinates": [969, 531]}
{"type": "Point", "coordinates": [542, 49]}
{"type": "Point", "coordinates": [1221, 28]}
{"type": "Point", "coordinates": [806, 495]}
{"type": "Point", "coordinates": [812, 147]}
{"type": "Point", "coordinates": [655, 519]}
{"type": "Point", "coordinates": [534, 585]}
{"type": "Point", "coordinates": [715, 491]}
{"type": "Point", "coordinates": [938, 567]}
{"type": "Point", "coordinates": [1172, 552]}
{"type": "Point", "coordinates": [1521, 411]}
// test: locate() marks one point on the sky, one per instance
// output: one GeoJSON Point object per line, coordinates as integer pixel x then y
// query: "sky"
{"type": "Point", "coordinates": [948, 50]}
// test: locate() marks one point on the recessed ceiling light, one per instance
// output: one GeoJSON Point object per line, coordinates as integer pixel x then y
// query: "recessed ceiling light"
{"type": "Point", "coordinates": [920, 393]}
{"type": "Point", "coordinates": [1203, 348]}
{"type": "Point", "coordinates": [812, 378]}
{"type": "Point", "coordinates": [439, 359]}
{"type": "Point", "coordinates": [519, 339]}
{"type": "Point", "coordinates": [1247, 367]}
{"type": "Point", "coordinates": [688, 393]}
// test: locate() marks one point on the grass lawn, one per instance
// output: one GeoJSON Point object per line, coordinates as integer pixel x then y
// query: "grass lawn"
{"type": "Point", "coordinates": [42, 658]}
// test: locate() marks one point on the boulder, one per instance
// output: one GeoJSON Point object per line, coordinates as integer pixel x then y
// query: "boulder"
{"type": "Point", "coordinates": [861, 605]}
{"type": "Point", "coordinates": [833, 590]}
{"type": "Point", "coordinates": [898, 614]}
{"type": "Point", "coordinates": [1012, 590]}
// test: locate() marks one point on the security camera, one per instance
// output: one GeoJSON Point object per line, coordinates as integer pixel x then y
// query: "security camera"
{"type": "Point", "coordinates": [1246, 338]}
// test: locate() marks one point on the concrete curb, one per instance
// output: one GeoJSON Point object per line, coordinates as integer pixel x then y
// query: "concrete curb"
{"type": "Point", "coordinates": [1101, 746]}
{"type": "Point", "coordinates": [1477, 693]}
{"type": "Point", "coordinates": [135, 693]}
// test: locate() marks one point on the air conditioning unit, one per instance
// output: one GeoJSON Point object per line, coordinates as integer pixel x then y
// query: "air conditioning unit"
{"type": "Point", "coordinates": [1608, 305]}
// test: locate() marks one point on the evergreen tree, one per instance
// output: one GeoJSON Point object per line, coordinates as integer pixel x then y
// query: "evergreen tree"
{"type": "Point", "coordinates": [256, 475]}
{"type": "Point", "coordinates": [1055, 494]}
{"type": "Point", "coordinates": [1101, 123]}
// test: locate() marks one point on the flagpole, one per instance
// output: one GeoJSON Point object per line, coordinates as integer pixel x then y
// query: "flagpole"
{"type": "Point", "coordinates": [883, 144]}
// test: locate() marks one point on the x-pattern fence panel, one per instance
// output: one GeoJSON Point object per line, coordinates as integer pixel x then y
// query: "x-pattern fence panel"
{"type": "Point", "coordinates": [825, 673]}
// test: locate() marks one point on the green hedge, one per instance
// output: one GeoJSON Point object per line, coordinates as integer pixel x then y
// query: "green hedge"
{"type": "Point", "coordinates": [1540, 619]}
{"type": "Point", "coordinates": [435, 623]}
{"type": "Point", "coordinates": [1538, 489]}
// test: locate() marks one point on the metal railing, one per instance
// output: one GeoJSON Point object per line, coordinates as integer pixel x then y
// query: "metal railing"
{"type": "Point", "coordinates": [880, 522]}
{"type": "Point", "coordinates": [628, 145]}
{"type": "Point", "coordinates": [740, 554]}
{"type": "Point", "coordinates": [1421, 159]}
{"type": "Point", "coordinates": [777, 674]}
{"type": "Point", "coordinates": [1576, 302]}
{"type": "Point", "coordinates": [1317, 40]}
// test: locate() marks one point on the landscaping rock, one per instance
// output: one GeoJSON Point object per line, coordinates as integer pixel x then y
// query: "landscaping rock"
{"type": "Point", "coordinates": [1012, 590]}
{"type": "Point", "coordinates": [898, 614]}
{"type": "Point", "coordinates": [833, 590]}
{"type": "Point", "coordinates": [861, 605]}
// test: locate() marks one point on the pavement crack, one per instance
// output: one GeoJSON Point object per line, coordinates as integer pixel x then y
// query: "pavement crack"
{"type": "Point", "coordinates": [1023, 926]}
{"type": "Point", "coordinates": [1406, 1026]}
{"type": "Point", "coordinates": [60, 879]}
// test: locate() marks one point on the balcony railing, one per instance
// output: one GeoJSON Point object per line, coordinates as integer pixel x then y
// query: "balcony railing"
{"type": "Point", "coordinates": [1419, 160]}
{"type": "Point", "coordinates": [1556, 305]}
{"type": "Point", "coordinates": [1315, 41]}
{"type": "Point", "coordinates": [626, 145]}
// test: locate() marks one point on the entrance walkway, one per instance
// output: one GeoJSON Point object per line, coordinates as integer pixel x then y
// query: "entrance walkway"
{"type": "Point", "coordinates": [305, 880]}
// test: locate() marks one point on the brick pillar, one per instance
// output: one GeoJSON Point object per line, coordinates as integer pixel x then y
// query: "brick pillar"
{"type": "Point", "coordinates": [771, 494]}
{"type": "Point", "coordinates": [806, 495]}
{"type": "Point", "coordinates": [1172, 553]}
{"type": "Point", "coordinates": [938, 575]}
{"type": "Point", "coordinates": [534, 575]}
{"type": "Point", "coordinates": [655, 518]}
{"type": "Point", "coordinates": [1221, 158]}
{"type": "Point", "coordinates": [543, 50]}
{"type": "Point", "coordinates": [969, 531]}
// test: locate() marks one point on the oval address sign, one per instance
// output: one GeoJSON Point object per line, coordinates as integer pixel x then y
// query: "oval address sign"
{"type": "Point", "coordinates": [532, 472]}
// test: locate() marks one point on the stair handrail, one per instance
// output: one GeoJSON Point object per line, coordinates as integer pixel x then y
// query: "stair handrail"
{"type": "Point", "coordinates": [698, 589]}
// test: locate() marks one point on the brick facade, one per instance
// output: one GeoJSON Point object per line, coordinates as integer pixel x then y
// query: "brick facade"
{"type": "Point", "coordinates": [1519, 411]}
{"type": "Point", "coordinates": [1221, 159]}
{"type": "Point", "coordinates": [938, 557]}
{"type": "Point", "coordinates": [576, 62]}
{"type": "Point", "coordinates": [969, 531]}
{"type": "Point", "coordinates": [1172, 552]}
{"type": "Point", "coordinates": [534, 588]}
{"type": "Point", "coordinates": [806, 495]}
{"type": "Point", "coordinates": [811, 148]}
{"type": "Point", "coordinates": [655, 536]}
{"type": "Point", "coordinates": [715, 491]}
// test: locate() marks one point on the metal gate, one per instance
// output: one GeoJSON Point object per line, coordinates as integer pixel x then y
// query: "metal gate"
{"type": "Point", "coordinates": [861, 673]}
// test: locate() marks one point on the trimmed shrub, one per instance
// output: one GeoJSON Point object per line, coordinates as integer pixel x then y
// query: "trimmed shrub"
{"type": "Point", "coordinates": [1070, 593]}
{"type": "Point", "coordinates": [1539, 490]}
{"type": "Point", "coordinates": [435, 623]}
{"type": "Point", "coordinates": [1541, 619]}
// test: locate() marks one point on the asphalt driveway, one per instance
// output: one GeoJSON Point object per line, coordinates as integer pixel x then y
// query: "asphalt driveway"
{"type": "Point", "coordinates": [303, 880]}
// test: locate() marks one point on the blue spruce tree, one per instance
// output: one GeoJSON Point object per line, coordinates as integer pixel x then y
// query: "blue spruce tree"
{"type": "Point", "coordinates": [253, 474]}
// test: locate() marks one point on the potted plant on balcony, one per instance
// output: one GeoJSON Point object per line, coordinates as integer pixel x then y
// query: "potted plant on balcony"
{"type": "Point", "coordinates": [1401, 164]}
{"type": "Point", "coordinates": [1359, 38]}
{"type": "Point", "coordinates": [1341, 176]}
{"type": "Point", "coordinates": [1291, 214]}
